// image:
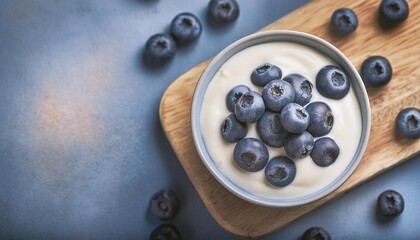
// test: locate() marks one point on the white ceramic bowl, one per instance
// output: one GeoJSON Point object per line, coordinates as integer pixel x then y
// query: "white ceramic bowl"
{"type": "Point", "coordinates": [311, 41]}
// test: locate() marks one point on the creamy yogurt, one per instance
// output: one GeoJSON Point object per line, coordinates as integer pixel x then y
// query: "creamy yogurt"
{"type": "Point", "coordinates": [291, 58]}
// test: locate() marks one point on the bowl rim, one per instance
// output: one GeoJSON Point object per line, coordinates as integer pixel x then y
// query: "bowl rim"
{"type": "Point", "coordinates": [233, 187]}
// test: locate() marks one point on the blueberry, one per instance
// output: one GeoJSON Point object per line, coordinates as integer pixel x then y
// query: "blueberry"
{"type": "Point", "coordinates": [393, 11]}
{"type": "Point", "coordinates": [250, 107]}
{"type": "Point", "coordinates": [408, 122]}
{"type": "Point", "coordinates": [165, 232]}
{"type": "Point", "coordinates": [159, 49]}
{"type": "Point", "coordinates": [270, 129]}
{"type": "Point", "coordinates": [376, 71]}
{"type": "Point", "coordinates": [332, 82]}
{"type": "Point", "coordinates": [295, 118]}
{"type": "Point", "coordinates": [164, 205]}
{"type": "Point", "coordinates": [390, 203]}
{"type": "Point", "coordinates": [265, 73]}
{"type": "Point", "coordinates": [344, 21]}
{"type": "Point", "coordinates": [325, 152]}
{"type": "Point", "coordinates": [322, 119]}
{"type": "Point", "coordinates": [234, 95]}
{"type": "Point", "coordinates": [316, 233]}
{"type": "Point", "coordinates": [277, 94]}
{"type": "Point", "coordinates": [186, 27]}
{"type": "Point", "coordinates": [299, 145]}
{"type": "Point", "coordinates": [224, 10]}
{"type": "Point", "coordinates": [232, 129]}
{"type": "Point", "coordinates": [302, 87]}
{"type": "Point", "coordinates": [280, 171]}
{"type": "Point", "coordinates": [251, 154]}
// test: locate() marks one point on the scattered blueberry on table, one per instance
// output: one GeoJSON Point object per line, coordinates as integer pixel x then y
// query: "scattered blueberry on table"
{"type": "Point", "coordinates": [376, 71]}
{"type": "Point", "coordinates": [390, 204]}
{"type": "Point", "coordinates": [280, 171]}
{"type": "Point", "coordinates": [316, 233]}
{"type": "Point", "coordinates": [224, 10]}
{"type": "Point", "coordinates": [160, 48]}
{"type": "Point", "coordinates": [165, 231]}
{"type": "Point", "coordinates": [186, 27]}
{"type": "Point", "coordinates": [408, 122]}
{"type": "Point", "coordinates": [164, 205]}
{"type": "Point", "coordinates": [344, 21]}
{"type": "Point", "coordinates": [393, 12]}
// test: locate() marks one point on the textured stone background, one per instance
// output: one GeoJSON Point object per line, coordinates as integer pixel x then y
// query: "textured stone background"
{"type": "Point", "coordinates": [81, 146]}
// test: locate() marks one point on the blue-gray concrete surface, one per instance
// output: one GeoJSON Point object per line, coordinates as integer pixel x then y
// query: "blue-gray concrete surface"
{"type": "Point", "coordinates": [81, 146]}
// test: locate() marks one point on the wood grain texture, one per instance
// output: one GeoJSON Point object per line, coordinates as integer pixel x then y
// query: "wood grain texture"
{"type": "Point", "coordinates": [401, 45]}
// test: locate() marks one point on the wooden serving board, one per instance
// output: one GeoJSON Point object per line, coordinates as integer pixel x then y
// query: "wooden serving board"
{"type": "Point", "coordinates": [401, 45]}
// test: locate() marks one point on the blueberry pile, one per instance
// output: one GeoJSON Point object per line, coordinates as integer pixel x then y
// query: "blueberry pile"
{"type": "Point", "coordinates": [344, 21]}
{"type": "Point", "coordinates": [408, 122]}
{"type": "Point", "coordinates": [393, 12]}
{"type": "Point", "coordinates": [390, 204]}
{"type": "Point", "coordinates": [376, 71]}
{"type": "Point", "coordinates": [284, 117]}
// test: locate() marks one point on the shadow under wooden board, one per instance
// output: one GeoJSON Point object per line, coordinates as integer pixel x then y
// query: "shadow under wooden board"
{"type": "Point", "coordinates": [401, 45]}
